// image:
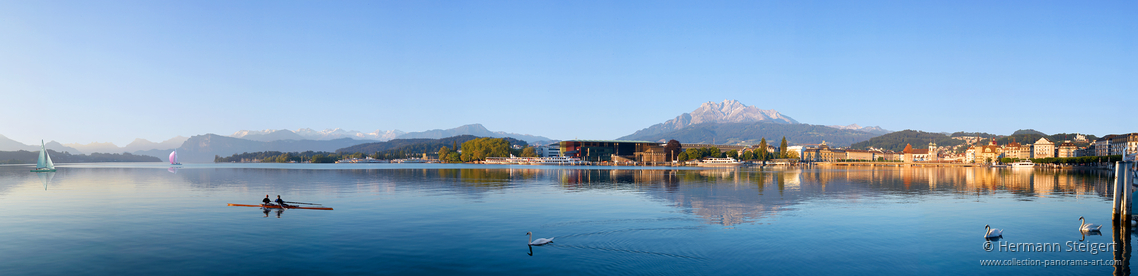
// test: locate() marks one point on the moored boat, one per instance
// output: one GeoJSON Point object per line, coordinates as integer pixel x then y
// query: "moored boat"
{"type": "Point", "coordinates": [720, 162]}
{"type": "Point", "coordinates": [1023, 164]}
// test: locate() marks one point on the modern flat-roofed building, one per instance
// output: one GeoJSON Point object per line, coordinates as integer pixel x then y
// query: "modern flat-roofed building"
{"type": "Point", "coordinates": [550, 150]}
{"type": "Point", "coordinates": [604, 150]}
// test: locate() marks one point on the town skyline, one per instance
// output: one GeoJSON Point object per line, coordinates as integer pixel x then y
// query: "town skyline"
{"type": "Point", "coordinates": [82, 72]}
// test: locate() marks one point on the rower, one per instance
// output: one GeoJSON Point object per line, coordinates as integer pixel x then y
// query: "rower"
{"type": "Point", "coordinates": [266, 201]}
{"type": "Point", "coordinates": [281, 201]}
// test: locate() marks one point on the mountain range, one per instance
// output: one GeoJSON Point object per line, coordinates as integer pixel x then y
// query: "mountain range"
{"type": "Point", "coordinates": [379, 135]}
{"type": "Point", "coordinates": [310, 134]}
{"type": "Point", "coordinates": [729, 111]}
{"type": "Point", "coordinates": [732, 122]}
{"type": "Point", "coordinates": [7, 144]}
{"type": "Point", "coordinates": [203, 148]}
{"type": "Point", "coordinates": [727, 122]}
{"type": "Point", "coordinates": [137, 145]}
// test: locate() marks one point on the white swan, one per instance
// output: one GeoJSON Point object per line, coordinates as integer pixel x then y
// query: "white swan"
{"type": "Point", "coordinates": [993, 232]}
{"type": "Point", "coordinates": [1084, 226]}
{"type": "Point", "coordinates": [540, 241]}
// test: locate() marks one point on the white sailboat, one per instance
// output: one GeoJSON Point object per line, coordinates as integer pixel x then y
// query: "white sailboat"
{"type": "Point", "coordinates": [44, 164]}
{"type": "Point", "coordinates": [174, 157]}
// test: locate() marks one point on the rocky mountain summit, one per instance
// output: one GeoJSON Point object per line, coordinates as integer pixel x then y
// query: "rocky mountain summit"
{"type": "Point", "coordinates": [729, 111]}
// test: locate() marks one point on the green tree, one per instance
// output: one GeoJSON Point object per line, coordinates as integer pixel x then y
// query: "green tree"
{"type": "Point", "coordinates": [480, 148]}
{"type": "Point", "coordinates": [529, 152]}
{"type": "Point", "coordinates": [444, 152]}
{"type": "Point", "coordinates": [761, 151]}
{"type": "Point", "coordinates": [714, 152]}
{"type": "Point", "coordinates": [782, 148]}
{"type": "Point", "coordinates": [683, 156]}
{"type": "Point", "coordinates": [693, 153]}
{"type": "Point", "coordinates": [733, 154]}
{"type": "Point", "coordinates": [748, 155]}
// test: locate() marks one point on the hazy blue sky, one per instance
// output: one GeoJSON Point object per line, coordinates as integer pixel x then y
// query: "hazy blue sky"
{"type": "Point", "coordinates": [84, 71]}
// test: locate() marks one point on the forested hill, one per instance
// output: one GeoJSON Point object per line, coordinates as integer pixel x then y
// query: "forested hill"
{"type": "Point", "coordinates": [31, 157]}
{"type": "Point", "coordinates": [752, 133]}
{"type": "Point", "coordinates": [896, 141]}
{"type": "Point", "coordinates": [419, 145]}
{"type": "Point", "coordinates": [1030, 138]}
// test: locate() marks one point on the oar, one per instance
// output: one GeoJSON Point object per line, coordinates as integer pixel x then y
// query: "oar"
{"type": "Point", "coordinates": [293, 202]}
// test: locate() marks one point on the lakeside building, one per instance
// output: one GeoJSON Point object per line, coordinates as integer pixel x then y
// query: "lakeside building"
{"type": "Point", "coordinates": [604, 150]}
{"type": "Point", "coordinates": [861, 155]}
{"type": "Point", "coordinates": [1124, 142]}
{"type": "Point", "coordinates": [823, 153]}
{"type": "Point", "coordinates": [550, 150]}
{"type": "Point", "coordinates": [983, 154]}
{"type": "Point", "coordinates": [1102, 145]}
{"type": "Point", "coordinates": [1016, 150]}
{"type": "Point", "coordinates": [1043, 149]}
{"type": "Point", "coordinates": [796, 150]}
{"type": "Point", "coordinates": [622, 151]}
{"type": "Point", "coordinates": [1066, 149]}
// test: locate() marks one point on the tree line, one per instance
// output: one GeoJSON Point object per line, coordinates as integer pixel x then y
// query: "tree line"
{"type": "Point", "coordinates": [476, 149]}
{"type": "Point", "coordinates": [31, 157]}
{"type": "Point", "coordinates": [759, 153]}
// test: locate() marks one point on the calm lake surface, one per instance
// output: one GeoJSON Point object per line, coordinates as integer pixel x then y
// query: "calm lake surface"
{"type": "Point", "coordinates": [432, 219]}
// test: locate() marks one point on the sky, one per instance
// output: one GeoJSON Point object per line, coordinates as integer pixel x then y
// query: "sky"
{"type": "Point", "coordinates": [113, 71]}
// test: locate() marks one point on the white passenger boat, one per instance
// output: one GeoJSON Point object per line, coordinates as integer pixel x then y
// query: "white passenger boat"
{"type": "Point", "coordinates": [720, 162]}
{"type": "Point", "coordinates": [1023, 164]}
{"type": "Point", "coordinates": [557, 160]}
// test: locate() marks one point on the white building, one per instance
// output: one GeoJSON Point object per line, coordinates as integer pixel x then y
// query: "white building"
{"type": "Point", "coordinates": [1124, 142]}
{"type": "Point", "coordinates": [1043, 149]}
{"type": "Point", "coordinates": [550, 150]}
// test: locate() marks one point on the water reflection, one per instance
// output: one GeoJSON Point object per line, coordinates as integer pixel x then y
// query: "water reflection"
{"type": "Point", "coordinates": [1121, 235]}
{"type": "Point", "coordinates": [45, 177]}
{"type": "Point", "coordinates": [720, 197]}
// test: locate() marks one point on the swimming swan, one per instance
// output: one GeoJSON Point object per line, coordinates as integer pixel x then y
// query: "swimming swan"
{"type": "Point", "coordinates": [1084, 226]}
{"type": "Point", "coordinates": [993, 232]}
{"type": "Point", "coordinates": [540, 241]}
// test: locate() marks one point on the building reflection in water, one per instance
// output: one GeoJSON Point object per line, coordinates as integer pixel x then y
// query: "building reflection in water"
{"type": "Point", "coordinates": [719, 196]}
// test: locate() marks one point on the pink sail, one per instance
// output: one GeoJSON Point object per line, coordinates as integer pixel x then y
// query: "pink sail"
{"type": "Point", "coordinates": [173, 157]}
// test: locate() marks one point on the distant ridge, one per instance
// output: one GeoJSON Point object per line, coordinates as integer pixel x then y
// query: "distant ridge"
{"type": "Point", "coordinates": [7, 144]}
{"type": "Point", "coordinates": [203, 148]}
{"type": "Point", "coordinates": [417, 145]}
{"type": "Point", "coordinates": [871, 129]}
{"type": "Point", "coordinates": [729, 111]}
{"type": "Point", "coordinates": [310, 134]}
{"type": "Point", "coordinates": [471, 129]}
{"type": "Point", "coordinates": [752, 133]}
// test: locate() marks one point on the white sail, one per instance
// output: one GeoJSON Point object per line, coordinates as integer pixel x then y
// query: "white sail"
{"type": "Point", "coordinates": [174, 157]}
{"type": "Point", "coordinates": [41, 163]}
{"type": "Point", "coordinates": [50, 165]}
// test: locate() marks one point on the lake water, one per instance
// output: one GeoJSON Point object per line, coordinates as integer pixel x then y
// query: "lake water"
{"type": "Point", "coordinates": [431, 219]}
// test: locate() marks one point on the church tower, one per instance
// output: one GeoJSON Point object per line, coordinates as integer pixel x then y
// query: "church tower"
{"type": "Point", "coordinates": [933, 156]}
